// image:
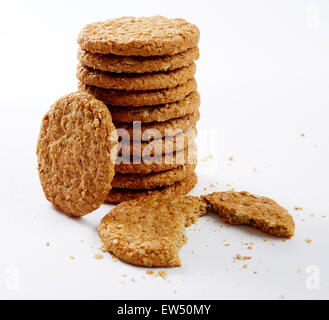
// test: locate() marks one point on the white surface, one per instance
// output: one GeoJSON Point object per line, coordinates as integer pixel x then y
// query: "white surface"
{"type": "Point", "coordinates": [264, 80]}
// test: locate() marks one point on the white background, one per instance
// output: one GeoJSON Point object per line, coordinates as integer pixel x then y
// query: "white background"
{"type": "Point", "coordinates": [264, 79]}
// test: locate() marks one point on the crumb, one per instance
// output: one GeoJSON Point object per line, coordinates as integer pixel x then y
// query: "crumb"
{"type": "Point", "coordinates": [323, 216]}
{"type": "Point", "coordinates": [162, 274]}
{"type": "Point", "coordinates": [299, 271]}
{"type": "Point", "coordinates": [239, 257]}
{"type": "Point", "coordinates": [133, 280]}
{"type": "Point", "coordinates": [205, 189]}
{"type": "Point", "coordinates": [212, 186]}
{"type": "Point", "coordinates": [228, 185]}
{"type": "Point", "coordinates": [81, 241]}
{"type": "Point", "coordinates": [208, 157]}
{"type": "Point", "coordinates": [174, 291]}
{"type": "Point", "coordinates": [308, 240]}
{"type": "Point", "coordinates": [72, 258]}
{"type": "Point", "coordinates": [226, 245]}
{"type": "Point", "coordinates": [298, 208]}
{"type": "Point", "coordinates": [149, 272]}
{"type": "Point", "coordinates": [124, 275]}
{"type": "Point", "coordinates": [249, 248]}
{"type": "Point", "coordinates": [98, 256]}
{"type": "Point", "coordinates": [192, 251]}
{"type": "Point", "coordinates": [245, 266]}
{"type": "Point", "coordinates": [282, 296]}
{"type": "Point", "coordinates": [265, 240]}
{"type": "Point", "coordinates": [315, 146]}
{"type": "Point", "coordinates": [302, 135]}
{"type": "Point", "coordinates": [312, 215]}
{"type": "Point", "coordinates": [113, 258]}
{"type": "Point", "coordinates": [47, 244]}
{"type": "Point", "coordinates": [230, 158]}
{"type": "Point", "coordinates": [255, 272]}
{"type": "Point", "coordinates": [254, 169]}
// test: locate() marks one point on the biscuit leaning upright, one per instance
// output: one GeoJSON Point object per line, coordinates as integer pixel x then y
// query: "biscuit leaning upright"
{"type": "Point", "coordinates": [76, 153]}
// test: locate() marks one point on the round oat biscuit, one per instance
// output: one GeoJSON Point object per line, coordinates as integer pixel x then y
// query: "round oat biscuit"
{"type": "Point", "coordinates": [137, 64]}
{"type": "Point", "coordinates": [159, 113]}
{"type": "Point", "coordinates": [145, 36]}
{"type": "Point", "coordinates": [157, 147]}
{"type": "Point", "coordinates": [140, 98]}
{"type": "Point", "coordinates": [157, 130]}
{"type": "Point", "coordinates": [76, 153]}
{"type": "Point", "coordinates": [152, 180]}
{"type": "Point", "coordinates": [133, 81]}
{"type": "Point", "coordinates": [179, 188]}
{"type": "Point", "coordinates": [145, 165]}
{"type": "Point", "coordinates": [150, 231]}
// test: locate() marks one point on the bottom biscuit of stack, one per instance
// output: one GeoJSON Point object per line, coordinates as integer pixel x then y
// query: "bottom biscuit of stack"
{"type": "Point", "coordinates": [182, 187]}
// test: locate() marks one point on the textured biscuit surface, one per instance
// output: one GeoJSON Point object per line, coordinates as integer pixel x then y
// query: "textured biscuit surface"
{"type": "Point", "coordinates": [182, 187]}
{"type": "Point", "coordinates": [76, 153]}
{"type": "Point", "coordinates": [145, 36]}
{"type": "Point", "coordinates": [159, 113]}
{"type": "Point", "coordinates": [145, 164]}
{"type": "Point", "coordinates": [137, 64]}
{"type": "Point", "coordinates": [260, 212]}
{"type": "Point", "coordinates": [140, 98]}
{"type": "Point", "coordinates": [158, 130]}
{"type": "Point", "coordinates": [166, 145]}
{"type": "Point", "coordinates": [133, 81]}
{"type": "Point", "coordinates": [152, 180]}
{"type": "Point", "coordinates": [150, 231]}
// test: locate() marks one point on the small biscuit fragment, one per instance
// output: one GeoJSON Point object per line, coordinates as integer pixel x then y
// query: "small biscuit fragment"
{"type": "Point", "coordinates": [76, 153]}
{"type": "Point", "coordinates": [260, 212]}
{"type": "Point", "coordinates": [150, 231]}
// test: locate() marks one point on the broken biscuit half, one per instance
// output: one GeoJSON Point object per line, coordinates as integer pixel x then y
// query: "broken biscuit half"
{"type": "Point", "coordinates": [150, 230]}
{"type": "Point", "coordinates": [260, 212]}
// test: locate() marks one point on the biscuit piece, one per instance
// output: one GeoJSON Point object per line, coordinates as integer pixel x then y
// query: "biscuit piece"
{"type": "Point", "coordinates": [152, 180]}
{"type": "Point", "coordinates": [179, 188]}
{"type": "Point", "coordinates": [145, 36]}
{"type": "Point", "coordinates": [157, 147]}
{"type": "Point", "coordinates": [136, 64]}
{"type": "Point", "coordinates": [133, 81]}
{"type": "Point", "coordinates": [260, 212]}
{"type": "Point", "coordinates": [140, 98]}
{"type": "Point", "coordinates": [159, 113]}
{"type": "Point", "coordinates": [157, 130]}
{"type": "Point", "coordinates": [150, 231]}
{"type": "Point", "coordinates": [144, 165]}
{"type": "Point", "coordinates": [76, 153]}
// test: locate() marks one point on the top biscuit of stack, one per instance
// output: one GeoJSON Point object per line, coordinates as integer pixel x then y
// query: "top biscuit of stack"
{"type": "Point", "coordinates": [146, 36]}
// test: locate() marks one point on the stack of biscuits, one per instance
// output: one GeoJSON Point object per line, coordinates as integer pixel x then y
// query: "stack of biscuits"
{"type": "Point", "coordinates": [143, 70]}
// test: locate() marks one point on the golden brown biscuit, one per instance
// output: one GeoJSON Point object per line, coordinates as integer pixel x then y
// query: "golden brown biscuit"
{"type": "Point", "coordinates": [76, 153]}
{"type": "Point", "coordinates": [140, 98]}
{"type": "Point", "coordinates": [166, 145]}
{"type": "Point", "coordinates": [160, 113]}
{"type": "Point", "coordinates": [179, 188]}
{"type": "Point", "coordinates": [150, 231]}
{"type": "Point", "coordinates": [133, 81]}
{"type": "Point", "coordinates": [145, 36]}
{"type": "Point", "coordinates": [144, 165]}
{"type": "Point", "coordinates": [137, 64]}
{"type": "Point", "coordinates": [157, 130]}
{"type": "Point", "coordinates": [259, 212]}
{"type": "Point", "coordinates": [152, 180]}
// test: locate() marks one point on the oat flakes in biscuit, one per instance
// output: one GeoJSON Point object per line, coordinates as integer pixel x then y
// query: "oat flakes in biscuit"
{"type": "Point", "coordinates": [260, 212]}
{"type": "Point", "coordinates": [137, 64]}
{"type": "Point", "coordinates": [133, 81]}
{"type": "Point", "coordinates": [164, 112]}
{"type": "Point", "coordinates": [144, 165]}
{"type": "Point", "coordinates": [145, 36]}
{"type": "Point", "coordinates": [158, 130]}
{"type": "Point", "coordinates": [166, 145]}
{"type": "Point", "coordinates": [152, 180]}
{"type": "Point", "coordinates": [150, 231]}
{"type": "Point", "coordinates": [76, 153]}
{"type": "Point", "coordinates": [140, 98]}
{"type": "Point", "coordinates": [179, 188]}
